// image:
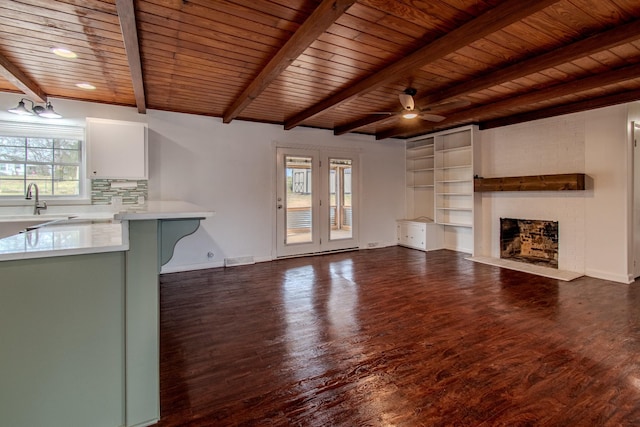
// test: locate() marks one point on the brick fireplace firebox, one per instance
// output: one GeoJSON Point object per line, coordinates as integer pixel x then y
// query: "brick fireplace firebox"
{"type": "Point", "coordinates": [529, 241]}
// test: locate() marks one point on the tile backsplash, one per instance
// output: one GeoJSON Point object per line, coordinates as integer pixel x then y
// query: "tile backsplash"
{"type": "Point", "coordinates": [102, 190]}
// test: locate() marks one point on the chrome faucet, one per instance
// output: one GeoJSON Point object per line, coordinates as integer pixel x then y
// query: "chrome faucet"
{"type": "Point", "coordinates": [38, 205]}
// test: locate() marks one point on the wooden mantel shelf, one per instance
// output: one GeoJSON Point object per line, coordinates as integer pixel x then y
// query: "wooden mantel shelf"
{"type": "Point", "coordinates": [558, 182]}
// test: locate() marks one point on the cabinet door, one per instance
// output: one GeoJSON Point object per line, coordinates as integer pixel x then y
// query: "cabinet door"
{"type": "Point", "coordinates": [116, 149]}
{"type": "Point", "coordinates": [403, 233]}
{"type": "Point", "coordinates": [417, 235]}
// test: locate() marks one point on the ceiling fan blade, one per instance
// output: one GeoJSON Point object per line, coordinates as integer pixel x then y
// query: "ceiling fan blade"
{"type": "Point", "coordinates": [407, 101]}
{"type": "Point", "coordinates": [382, 112]}
{"type": "Point", "coordinates": [432, 117]}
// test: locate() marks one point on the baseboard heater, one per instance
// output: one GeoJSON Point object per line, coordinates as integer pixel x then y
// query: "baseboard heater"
{"type": "Point", "coordinates": [242, 260]}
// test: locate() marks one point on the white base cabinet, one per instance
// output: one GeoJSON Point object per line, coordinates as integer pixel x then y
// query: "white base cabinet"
{"type": "Point", "coordinates": [426, 236]}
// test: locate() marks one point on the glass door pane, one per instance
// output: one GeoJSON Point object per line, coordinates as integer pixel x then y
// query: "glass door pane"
{"type": "Point", "coordinates": [299, 199]}
{"type": "Point", "coordinates": [340, 199]}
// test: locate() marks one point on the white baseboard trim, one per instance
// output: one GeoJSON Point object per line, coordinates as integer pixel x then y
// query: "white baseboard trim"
{"type": "Point", "coordinates": [188, 267]}
{"type": "Point", "coordinates": [376, 245]}
{"type": "Point", "coordinates": [240, 260]}
{"type": "Point", "coordinates": [605, 275]}
{"type": "Point", "coordinates": [203, 266]}
{"type": "Point", "coordinates": [217, 264]}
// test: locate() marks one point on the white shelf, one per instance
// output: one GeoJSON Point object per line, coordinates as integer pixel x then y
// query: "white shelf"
{"type": "Point", "coordinates": [449, 181]}
{"type": "Point", "coordinates": [453, 224]}
{"type": "Point", "coordinates": [453, 167]}
{"type": "Point", "coordinates": [450, 150]}
{"type": "Point", "coordinates": [455, 209]}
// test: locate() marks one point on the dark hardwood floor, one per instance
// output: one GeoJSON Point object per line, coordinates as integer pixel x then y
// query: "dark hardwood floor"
{"type": "Point", "coordinates": [396, 337]}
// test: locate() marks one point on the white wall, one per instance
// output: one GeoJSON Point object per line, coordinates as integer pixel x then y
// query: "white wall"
{"type": "Point", "coordinates": [230, 168]}
{"type": "Point", "coordinates": [607, 225]}
{"type": "Point", "coordinates": [593, 224]}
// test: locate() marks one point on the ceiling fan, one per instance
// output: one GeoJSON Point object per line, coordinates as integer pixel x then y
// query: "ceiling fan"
{"type": "Point", "coordinates": [411, 111]}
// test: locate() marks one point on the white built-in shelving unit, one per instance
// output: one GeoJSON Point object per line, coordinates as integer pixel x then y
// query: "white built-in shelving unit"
{"type": "Point", "coordinates": [440, 171]}
{"type": "Point", "coordinates": [420, 158]}
{"type": "Point", "coordinates": [454, 198]}
{"type": "Point", "coordinates": [419, 231]}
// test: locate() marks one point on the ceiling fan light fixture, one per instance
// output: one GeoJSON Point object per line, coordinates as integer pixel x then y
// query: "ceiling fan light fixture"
{"type": "Point", "coordinates": [21, 110]}
{"type": "Point", "coordinates": [409, 114]}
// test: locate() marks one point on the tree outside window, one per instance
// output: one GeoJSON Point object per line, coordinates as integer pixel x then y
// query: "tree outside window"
{"type": "Point", "coordinates": [52, 163]}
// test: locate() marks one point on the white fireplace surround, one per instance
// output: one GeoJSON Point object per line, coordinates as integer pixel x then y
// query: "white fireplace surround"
{"type": "Point", "coordinates": [550, 146]}
{"type": "Point", "coordinates": [567, 208]}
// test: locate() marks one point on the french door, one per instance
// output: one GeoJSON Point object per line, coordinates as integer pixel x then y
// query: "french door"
{"type": "Point", "coordinates": [316, 201]}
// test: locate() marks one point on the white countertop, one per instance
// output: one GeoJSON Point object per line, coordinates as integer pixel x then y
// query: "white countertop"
{"type": "Point", "coordinates": [66, 239]}
{"type": "Point", "coordinates": [89, 231]}
{"type": "Point", "coordinates": [163, 210]}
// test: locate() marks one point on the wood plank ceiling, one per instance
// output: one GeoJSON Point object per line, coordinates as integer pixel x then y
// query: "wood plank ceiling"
{"type": "Point", "coordinates": [329, 63]}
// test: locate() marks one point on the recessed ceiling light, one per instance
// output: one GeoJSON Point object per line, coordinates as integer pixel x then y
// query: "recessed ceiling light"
{"type": "Point", "coordinates": [87, 86]}
{"type": "Point", "coordinates": [65, 53]}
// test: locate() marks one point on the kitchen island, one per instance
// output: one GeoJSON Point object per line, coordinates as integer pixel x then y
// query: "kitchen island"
{"type": "Point", "coordinates": [79, 317]}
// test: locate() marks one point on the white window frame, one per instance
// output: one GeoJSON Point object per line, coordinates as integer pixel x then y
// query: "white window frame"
{"type": "Point", "coordinates": [37, 130]}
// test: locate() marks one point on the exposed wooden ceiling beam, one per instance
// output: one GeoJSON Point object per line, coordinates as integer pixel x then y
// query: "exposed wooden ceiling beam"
{"type": "Point", "coordinates": [317, 23]}
{"type": "Point", "coordinates": [580, 49]}
{"type": "Point", "coordinates": [356, 124]}
{"type": "Point", "coordinates": [489, 22]}
{"type": "Point", "coordinates": [127, 17]}
{"type": "Point", "coordinates": [558, 91]}
{"type": "Point", "coordinates": [19, 79]}
{"type": "Point", "coordinates": [574, 107]}
{"type": "Point", "coordinates": [594, 44]}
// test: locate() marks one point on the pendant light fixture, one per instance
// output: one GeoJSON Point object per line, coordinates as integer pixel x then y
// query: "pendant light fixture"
{"type": "Point", "coordinates": [21, 110]}
{"type": "Point", "coordinates": [47, 111]}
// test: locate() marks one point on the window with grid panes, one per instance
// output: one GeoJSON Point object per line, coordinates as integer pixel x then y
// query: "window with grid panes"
{"type": "Point", "coordinates": [48, 156]}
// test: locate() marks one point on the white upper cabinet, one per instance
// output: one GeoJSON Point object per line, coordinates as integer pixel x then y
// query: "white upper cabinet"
{"type": "Point", "coordinates": [116, 149]}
